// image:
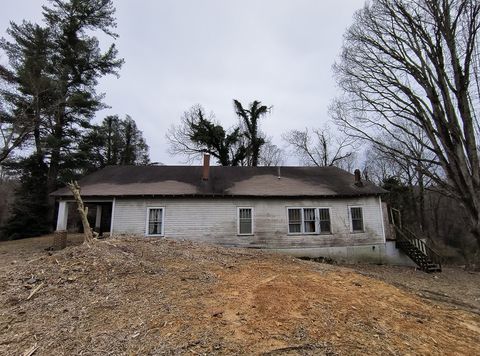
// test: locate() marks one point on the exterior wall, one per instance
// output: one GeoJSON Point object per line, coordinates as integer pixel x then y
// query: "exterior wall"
{"type": "Point", "coordinates": [215, 220]}
{"type": "Point", "coordinates": [394, 256]}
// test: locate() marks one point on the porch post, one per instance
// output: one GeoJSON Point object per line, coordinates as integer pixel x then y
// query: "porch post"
{"type": "Point", "coordinates": [98, 217]}
{"type": "Point", "coordinates": [62, 216]}
{"type": "Point", "coordinates": [60, 235]}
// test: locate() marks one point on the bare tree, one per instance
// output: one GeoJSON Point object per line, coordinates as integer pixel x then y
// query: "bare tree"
{"type": "Point", "coordinates": [408, 66]}
{"type": "Point", "coordinates": [382, 164]}
{"type": "Point", "coordinates": [271, 155]}
{"type": "Point", "coordinates": [320, 147]}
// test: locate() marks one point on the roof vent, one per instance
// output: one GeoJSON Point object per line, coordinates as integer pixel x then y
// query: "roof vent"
{"type": "Point", "coordinates": [358, 178]}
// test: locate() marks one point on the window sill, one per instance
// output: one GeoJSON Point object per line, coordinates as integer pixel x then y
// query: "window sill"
{"type": "Point", "coordinates": [154, 235]}
{"type": "Point", "coordinates": [245, 234]}
{"type": "Point", "coordinates": [358, 232]}
{"type": "Point", "coordinates": [309, 233]}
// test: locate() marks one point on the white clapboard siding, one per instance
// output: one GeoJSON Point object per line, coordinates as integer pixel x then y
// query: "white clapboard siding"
{"type": "Point", "coordinates": [215, 220]}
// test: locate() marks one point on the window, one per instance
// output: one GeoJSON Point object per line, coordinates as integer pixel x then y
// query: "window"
{"type": "Point", "coordinates": [294, 221]}
{"type": "Point", "coordinates": [356, 214]}
{"type": "Point", "coordinates": [309, 220]}
{"type": "Point", "coordinates": [324, 220]}
{"type": "Point", "coordinates": [155, 221]}
{"type": "Point", "coordinates": [309, 223]}
{"type": "Point", "coordinates": [245, 221]}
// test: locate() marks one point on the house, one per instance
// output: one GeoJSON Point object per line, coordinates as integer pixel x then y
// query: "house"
{"type": "Point", "coordinates": [304, 211]}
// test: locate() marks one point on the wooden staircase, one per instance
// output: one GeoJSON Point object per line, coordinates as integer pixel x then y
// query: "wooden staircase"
{"type": "Point", "coordinates": [424, 256]}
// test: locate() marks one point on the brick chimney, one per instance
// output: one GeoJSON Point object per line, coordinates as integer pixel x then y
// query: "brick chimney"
{"type": "Point", "coordinates": [206, 167]}
{"type": "Point", "coordinates": [358, 178]}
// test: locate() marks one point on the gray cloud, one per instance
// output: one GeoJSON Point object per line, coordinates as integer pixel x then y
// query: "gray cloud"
{"type": "Point", "coordinates": [182, 52]}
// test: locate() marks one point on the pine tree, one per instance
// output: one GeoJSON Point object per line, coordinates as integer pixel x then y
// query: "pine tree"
{"type": "Point", "coordinates": [249, 121]}
{"type": "Point", "coordinates": [29, 213]}
{"type": "Point", "coordinates": [52, 74]}
{"type": "Point", "coordinates": [77, 64]}
{"type": "Point", "coordinates": [114, 142]}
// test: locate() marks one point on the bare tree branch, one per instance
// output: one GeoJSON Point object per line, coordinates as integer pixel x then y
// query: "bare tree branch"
{"type": "Point", "coordinates": [406, 71]}
{"type": "Point", "coordinates": [321, 148]}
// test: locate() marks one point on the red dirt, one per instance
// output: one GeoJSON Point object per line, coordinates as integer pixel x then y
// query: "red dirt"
{"type": "Point", "coordinates": [146, 296]}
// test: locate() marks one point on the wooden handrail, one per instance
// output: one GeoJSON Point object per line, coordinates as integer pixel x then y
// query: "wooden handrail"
{"type": "Point", "coordinates": [408, 235]}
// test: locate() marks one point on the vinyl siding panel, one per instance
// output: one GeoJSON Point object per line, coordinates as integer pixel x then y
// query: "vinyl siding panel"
{"type": "Point", "coordinates": [215, 221]}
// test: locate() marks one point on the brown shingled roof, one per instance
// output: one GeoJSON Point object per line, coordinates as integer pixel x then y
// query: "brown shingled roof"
{"type": "Point", "coordinates": [223, 181]}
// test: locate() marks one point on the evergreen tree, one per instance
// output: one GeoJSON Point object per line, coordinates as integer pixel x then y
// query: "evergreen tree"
{"type": "Point", "coordinates": [27, 92]}
{"type": "Point", "coordinates": [29, 213]}
{"type": "Point", "coordinates": [52, 74]}
{"type": "Point", "coordinates": [76, 65]}
{"type": "Point", "coordinates": [198, 134]}
{"type": "Point", "coordinates": [114, 142]}
{"type": "Point", "coordinates": [134, 149]}
{"type": "Point", "coordinates": [249, 120]}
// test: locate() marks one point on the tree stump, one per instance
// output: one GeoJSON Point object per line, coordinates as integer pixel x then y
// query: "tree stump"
{"type": "Point", "coordinates": [59, 240]}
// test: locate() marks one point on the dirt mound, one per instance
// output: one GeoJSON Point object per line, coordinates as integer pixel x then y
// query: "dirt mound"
{"type": "Point", "coordinates": [148, 296]}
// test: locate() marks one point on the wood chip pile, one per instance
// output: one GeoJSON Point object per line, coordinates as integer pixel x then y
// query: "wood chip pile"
{"type": "Point", "coordinates": [126, 296]}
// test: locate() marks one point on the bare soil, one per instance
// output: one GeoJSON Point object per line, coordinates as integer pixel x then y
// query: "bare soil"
{"type": "Point", "coordinates": [454, 287]}
{"type": "Point", "coordinates": [129, 296]}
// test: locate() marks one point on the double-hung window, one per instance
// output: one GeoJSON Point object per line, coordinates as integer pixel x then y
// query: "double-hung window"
{"type": "Point", "coordinates": [245, 221]}
{"type": "Point", "coordinates": [155, 218]}
{"type": "Point", "coordinates": [324, 220]}
{"type": "Point", "coordinates": [294, 221]}
{"type": "Point", "coordinates": [356, 217]}
{"type": "Point", "coordinates": [309, 221]}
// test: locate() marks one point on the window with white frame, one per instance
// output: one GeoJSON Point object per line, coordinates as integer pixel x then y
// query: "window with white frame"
{"type": "Point", "coordinates": [324, 220]}
{"type": "Point", "coordinates": [356, 216]}
{"type": "Point", "coordinates": [309, 221]}
{"type": "Point", "coordinates": [294, 221]}
{"type": "Point", "coordinates": [155, 221]}
{"type": "Point", "coordinates": [245, 221]}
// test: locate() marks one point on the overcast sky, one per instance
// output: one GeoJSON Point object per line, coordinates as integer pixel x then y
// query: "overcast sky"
{"type": "Point", "coordinates": [182, 52]}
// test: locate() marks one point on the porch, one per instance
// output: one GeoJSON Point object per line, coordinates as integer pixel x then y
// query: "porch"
{"type": "Point", "coordinates": [100, 216]}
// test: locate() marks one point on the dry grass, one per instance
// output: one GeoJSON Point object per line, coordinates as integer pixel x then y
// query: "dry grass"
{"type": "Point", "coordinates": [152, 297]}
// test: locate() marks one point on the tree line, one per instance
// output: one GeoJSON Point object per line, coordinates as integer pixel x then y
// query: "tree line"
{"type": "Point", "coordinates": [48, 98]}
{"type": "Point", "coordinates": [408, 72]}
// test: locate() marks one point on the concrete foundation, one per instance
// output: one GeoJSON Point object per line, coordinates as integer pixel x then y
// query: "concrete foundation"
{"type": "Point", "coordinates": [394, 256]}
{"type": "Point", "coordinates": [385, 253]}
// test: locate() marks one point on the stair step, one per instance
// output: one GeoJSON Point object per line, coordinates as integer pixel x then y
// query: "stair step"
{"type": "Point", "coordinates": [416, 249]}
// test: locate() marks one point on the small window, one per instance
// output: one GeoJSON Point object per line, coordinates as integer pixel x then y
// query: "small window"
{"type": "Point", "coordinates": [324, 220]}
{"type": "Point", "coordinates": [245, 221]}
{"type": "Point", "coordinates": [294, 221]}
{"type": "Point", "coordinates": [155, 221]}
{"type": "Point", "coordinates": [356, 215]}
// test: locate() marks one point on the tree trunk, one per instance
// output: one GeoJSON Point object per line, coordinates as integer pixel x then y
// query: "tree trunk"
{"type": "Point", "coordinates": [475, 230]}
{"type": "Point", "coordinates": [55, 157]}
{"type": "Point", "coordinates": [421, 203]}
{"type": "Point", "coordinates": [87, 230]}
